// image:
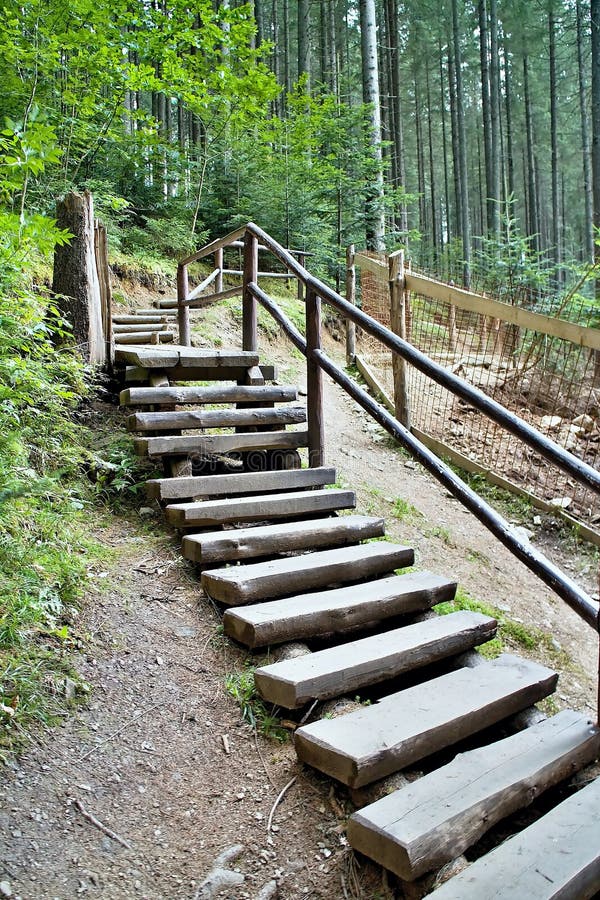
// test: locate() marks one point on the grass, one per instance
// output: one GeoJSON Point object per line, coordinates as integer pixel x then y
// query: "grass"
{"type": "Point", "coordinates": [405, 511]}
{"type": "Point", "coordinates": [240, 686]}
{"type": "Point", "coordinates": [511, 633]}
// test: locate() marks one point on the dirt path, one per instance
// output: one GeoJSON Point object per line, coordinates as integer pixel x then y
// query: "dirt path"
{"type": "Point", "coordinates": [161, 756]}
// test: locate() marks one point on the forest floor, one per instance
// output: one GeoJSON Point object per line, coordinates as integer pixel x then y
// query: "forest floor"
{"type": "Point", "coordinates": [139, 792]}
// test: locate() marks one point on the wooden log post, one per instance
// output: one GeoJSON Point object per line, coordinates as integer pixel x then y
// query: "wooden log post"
{"type": "Point", "coordinates": [101, 255]}
{"type": "Point", "coordinates": [249, 306]}
{"type": "Point", "coordinates": [183, 312]}
{"type": "Point", "coordinates": [314, 381]}
{"type": "Point", "coordinates": [219, 266]}
{"type": "Point", "coordinates": [398, 323]}
{"type": "Point", "coordinates": [75, 281]}
{"type": "Point", "coordinates": [351, 298]}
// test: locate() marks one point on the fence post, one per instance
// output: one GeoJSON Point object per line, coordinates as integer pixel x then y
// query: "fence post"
{"type": "Point", "coordinates": [351, 298]}
{"type": "Point", "coordinates": [183, 311]}
{"type": "Point", "coordinates": [398, 323]}
{"type": "Point", "coordinates": [314, 381]}
{"type": "Point", "coordinates": [249, 310]}
{"type": "Point", "coordinates": [219, 265]}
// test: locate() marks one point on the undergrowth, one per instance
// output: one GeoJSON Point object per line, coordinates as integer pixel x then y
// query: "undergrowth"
{"type": "Point", "coordinates": [240, 686]}
{"type": "Point", "coordinates": [511, 633]}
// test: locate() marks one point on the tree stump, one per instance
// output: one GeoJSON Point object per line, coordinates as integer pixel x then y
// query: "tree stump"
{"type": "Point", "coordinates": [75, 282]}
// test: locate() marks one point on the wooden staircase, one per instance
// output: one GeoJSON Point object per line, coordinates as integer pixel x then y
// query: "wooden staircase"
{"type": "Point", "coordinates": [276, 552]}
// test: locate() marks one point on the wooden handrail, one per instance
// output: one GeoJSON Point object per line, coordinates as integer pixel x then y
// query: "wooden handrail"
{"type": "Point", "coordinates": [317, 362]}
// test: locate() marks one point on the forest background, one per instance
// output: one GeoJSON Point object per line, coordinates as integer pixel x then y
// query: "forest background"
{"type": "Point", "coordinates": [466, 132]}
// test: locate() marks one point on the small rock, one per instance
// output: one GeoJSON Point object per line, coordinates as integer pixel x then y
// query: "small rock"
{"type": "Point", "coordinates": [146, 512]}
{"type": "Point", "coordinates": [585, 422]}
{"type": "Point", "coordinates": [561, 502]}
{"type": "Point", "coordinates": [550, 422]}
{"type": "Point", "coordinates": [556, 644]}
{"type": "Point", "coordinates": [537, 520]}
{"type": "Point", "coordinates": [5, 889]}
{"type": "Point", "coordinates": [522, 533]}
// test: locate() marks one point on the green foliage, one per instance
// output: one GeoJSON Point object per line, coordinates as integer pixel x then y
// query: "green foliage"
{"type": "Point", "coordinates": [240, 686]}
{"type": "Point", "coordinates": [403, 510]}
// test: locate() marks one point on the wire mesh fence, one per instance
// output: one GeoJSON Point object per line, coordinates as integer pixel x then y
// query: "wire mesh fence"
{"type": "Point", "coordinates": [552, 382]}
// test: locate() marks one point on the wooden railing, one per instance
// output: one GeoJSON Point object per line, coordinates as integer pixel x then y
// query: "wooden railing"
{"type": "Point", "coordinates": [255, 239]}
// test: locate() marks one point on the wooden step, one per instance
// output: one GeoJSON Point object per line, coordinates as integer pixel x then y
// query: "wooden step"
{"type": "Point", "coordinates": [243, 584]}
{"type": "Point", "coordinates": [378, 740]}
{"type": "Point", "coordinates": [556, 858]}
{"type": "Point", "coordinates": [166, 303]}
{"type": "Point", "coordinates": [258, 508]}
{"type": "Point", "coordinates": [215, 418]}
{"type": "Point", "coordinates": [212, 394]}
{"type": "Point", "coordinates": [153, 327]}
{"type": "Point", "coordinates": [433, 820]}
{"type": "Point", "coordinates": [238, 483]}
{"type": "Point", "coordinates": [186, 357]}
{"type": "Point", "coordinates": [336, 611]}
{"type": "Point", "coordinates": [141, 337]}
{"type": "Point", "coordinates": [147, 318]}
{"type": "Point", "coordinates": [136, 374]}
{"type": "Point", "coordinates": [349, 667]}
{"type": "Point", "coordinates": [153, 311]}
{"type": "Point", "coordinates": [211, 444]}
{"type": "Point", "coordinates": [267, 540]}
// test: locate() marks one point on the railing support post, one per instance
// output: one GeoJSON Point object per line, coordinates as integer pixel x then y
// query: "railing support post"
{"type": "Point", "coordinates": [219, 266]}
{"type": "Point", "coordinates": [314, 381]}
{"type": "Point", "coordinates": [183, 311]}
{"type": "Point", "coordinates": [249, 308]}
{"type": "Point", "coordinates": [398, 323]}
{"type": "Point", "coordinates": [351, 298]}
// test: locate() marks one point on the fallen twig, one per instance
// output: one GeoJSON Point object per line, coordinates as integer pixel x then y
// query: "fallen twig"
{"type": "Point", "coordinates": [119, 730]}
{"type": "Point", "coordinates": [280, 797]}
{"type": "Point", "coordinates": [100, 825]}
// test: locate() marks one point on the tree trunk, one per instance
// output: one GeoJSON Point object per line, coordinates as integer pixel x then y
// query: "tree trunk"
{"type": "Point", "coordinates": [462, 150]}
{"type": "Point", "coordinates": [595, 17]}
{"type": "Point", "coordinates": [555, 241]}
{"type": "Point", "coordinates": [445, 150]}
{"type": "Point", "coordinates": [494, 206]}
{"type": "Point", "coordinates": [304, 40]}
{"type": "Point", "coordinates": [75, 282]}
{"type": "Point", "coordinates": [434, 229]}
{"type": "Point", "coordinates": [454, 128]}
{"type": "Point", "coordinates": [533, 219]}
{"type": "Point", "coordinates": [485, 107]}
{"type": "Point", "coordinates": [375, 218]}
{"type": "Point", "coordinates": [588, 229]}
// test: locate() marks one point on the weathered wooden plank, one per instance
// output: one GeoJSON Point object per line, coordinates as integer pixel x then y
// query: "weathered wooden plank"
{"type": "Point", "coordinates": [238, 483]}
{"type": "Point", "coordinates": [142, 337]}
{"type": "Point", "coordinates": [186, 357]}
{"type": "Point", "coordinates": [153, 311]}
{"type": "Point", "coordinates": [151, 318]}
{"type": "Point", "coordinates": [338, 610]}
{"type": "Point", "coordinates": [161, 357]}
{"type": "Point", "coordinates": [433, 820]}
{"type": "Point", "coordinates": [220, 373]}
{"type": "Point", "coordinates": [154, 327]}
{"type": "Point", "coordinates": [275, 578]}
{"type": "Point", "coordinates": [212, 394]}
{"type": "Point", "coordinates": [210, 444]}
{"type": "Point", "coordinates": [524, 318]}
{"type": "Point", "coordinates": [349, 667]}
{"type": "Point", "coordinates": [267, 540]}
{"type": "Point", "coordinates": [258, 508]}
{"type": "Point", "coordinates": [166, 303]}
{"type": "Point", "coordinates": [215, 418]}
{"type": "Point", "coordinates": [378, 740]}
{"type": "Point", "coordinates": [158, 379]}
{"type": "Point", "coordinates": [556, 858]}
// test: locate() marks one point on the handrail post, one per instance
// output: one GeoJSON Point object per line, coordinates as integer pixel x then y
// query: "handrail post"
{"type": "Point", "coordinates": [249, 308]}
{"type": "Point", "coordinates": [351, 298]}
{"type": "Point", "coordinates": [183, 311]}
{"type": "Point", "coordinates": [314, 381]}
{"type": "Point", "coordinates": [219, 266]}
{"type": "Point", "coordinates": [398, 323]}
